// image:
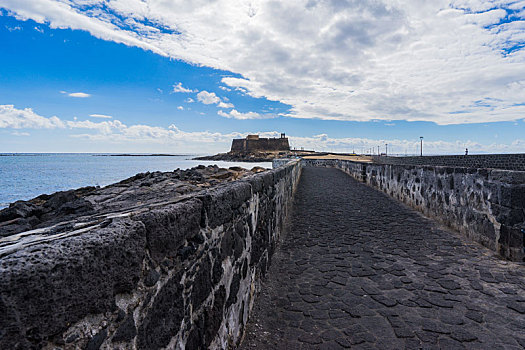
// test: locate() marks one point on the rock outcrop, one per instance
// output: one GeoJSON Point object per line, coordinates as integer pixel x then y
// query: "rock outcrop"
{"type": "Point", "coordinates": [160, 260]}
{"type": "Point", "coordinates": [140, 190]}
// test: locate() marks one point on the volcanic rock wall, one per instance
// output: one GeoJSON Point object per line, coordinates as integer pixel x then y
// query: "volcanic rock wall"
{"type": "Point", "coordinates": [494, 161]}
{"type": "Point", "coordinates": [486, 205]}
{"type": "Point", "coordinates": [177, 276]}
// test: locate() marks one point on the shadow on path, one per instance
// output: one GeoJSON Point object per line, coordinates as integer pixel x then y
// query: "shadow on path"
{"type": "Point", "coordinates": [360, 270]}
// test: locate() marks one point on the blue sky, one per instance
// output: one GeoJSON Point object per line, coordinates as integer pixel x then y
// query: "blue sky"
{"type": "Point", "coordinates": [133, 76]}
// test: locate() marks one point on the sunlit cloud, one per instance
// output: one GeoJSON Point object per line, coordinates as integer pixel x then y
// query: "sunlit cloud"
{"type": "Point", "coordinates": [448, 62]}
{"type": "Point", "coordinates": [102, 116]}
{"type": "Point", "coordinates": [179, 88]}
{"type": "Point", "coordinates": [234, 114]}
{"type": "Point", "coordinates": [79, 95]}
{"type": "Point", "coordinates": [115, 131]}
{"type": "Point", "coordinates": [208, 98]}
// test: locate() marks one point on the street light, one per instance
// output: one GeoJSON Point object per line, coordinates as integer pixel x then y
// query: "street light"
{"type": "Point", "coordinates": [386, 149]}
{"type": "Point", "coordinates": [421, 138]}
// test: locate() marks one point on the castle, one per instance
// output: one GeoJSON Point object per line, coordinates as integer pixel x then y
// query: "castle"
{"type": "Point", "coordinates": [254, 143]}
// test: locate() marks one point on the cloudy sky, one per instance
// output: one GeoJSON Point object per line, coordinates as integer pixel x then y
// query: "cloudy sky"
{"type": "Point", "coordinates": [188, 76]}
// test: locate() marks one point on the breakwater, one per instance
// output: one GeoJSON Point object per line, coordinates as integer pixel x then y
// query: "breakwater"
{"type": "Point", "coordinates": [485, 205]}
{"type": "Point", "coordinates": [184, 273]}
{"type": "Point", "coordinates": [169, 275]}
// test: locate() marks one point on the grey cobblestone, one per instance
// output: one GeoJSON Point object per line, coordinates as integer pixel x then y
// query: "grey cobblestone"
{"type": "Point", "coordinates": [359, 270]}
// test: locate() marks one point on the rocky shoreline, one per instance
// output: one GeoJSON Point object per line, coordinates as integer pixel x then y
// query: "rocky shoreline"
{"type": "Point", "coordinates": [257, 156]}
{"type": "Point", "coordinates": [62, 211]}
{"type": "Point", "coordinates": [243, 157]}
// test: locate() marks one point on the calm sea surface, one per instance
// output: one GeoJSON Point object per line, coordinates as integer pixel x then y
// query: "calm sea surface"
{"type": "Point", "coordinates": [25, 176]}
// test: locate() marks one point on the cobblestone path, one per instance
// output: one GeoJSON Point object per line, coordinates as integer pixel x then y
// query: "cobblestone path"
{"type": "Point", "coordinates": [359, 270]}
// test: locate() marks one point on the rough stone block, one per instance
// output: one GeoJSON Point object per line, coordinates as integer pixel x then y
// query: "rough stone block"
{"type": "Point", "coordinates": [163, 320]}
{"type": "Point", "coordinates": [201, 283]}
{"type": "Point", "coordinates": [55, 284]}
{"type": "Point", "coordinates": [219, 204]}
{"type": "Point", "coordinates": [167, 228]}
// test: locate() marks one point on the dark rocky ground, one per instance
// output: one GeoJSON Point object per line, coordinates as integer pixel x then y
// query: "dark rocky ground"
{"type": "Point", "coordinates": [258, 156]}
{"type": "Point", "coordinates": [244, 156]}
{"type": "Point", "coordinates": [360, 270]}
{"type": "Point", "coordinates": [67, 208]}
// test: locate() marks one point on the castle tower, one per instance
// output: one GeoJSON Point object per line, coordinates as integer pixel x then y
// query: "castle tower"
{"type": "Point", "coordinates": [254, 143]}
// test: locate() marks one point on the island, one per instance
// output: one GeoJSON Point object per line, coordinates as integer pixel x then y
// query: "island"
{"type": "Point", "coordinates": [254, 148]}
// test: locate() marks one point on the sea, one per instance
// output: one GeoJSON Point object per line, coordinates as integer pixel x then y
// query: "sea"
{"type": "Point", "coordinates": [26, 175]}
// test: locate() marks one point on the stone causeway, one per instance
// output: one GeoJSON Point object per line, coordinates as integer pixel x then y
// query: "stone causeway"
{"type": "Point", "coordinates": [358, 269]}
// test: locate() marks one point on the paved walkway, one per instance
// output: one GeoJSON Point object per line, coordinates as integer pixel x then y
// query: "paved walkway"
{"type": "Point", "coordinates": [359, 270]}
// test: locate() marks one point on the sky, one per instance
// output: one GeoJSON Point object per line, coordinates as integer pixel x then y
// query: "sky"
{"type": "Point", "coordinates": [158, 76]}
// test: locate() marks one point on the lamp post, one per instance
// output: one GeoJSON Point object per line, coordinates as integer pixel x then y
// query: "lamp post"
{"type": "Point", "coordinates": [386, 149]}
{"type": "Point", "coordinates": [421, 138]}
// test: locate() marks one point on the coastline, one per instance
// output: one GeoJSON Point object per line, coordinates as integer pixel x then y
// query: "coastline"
{"type": "Point", "coordinates": [143, 189]}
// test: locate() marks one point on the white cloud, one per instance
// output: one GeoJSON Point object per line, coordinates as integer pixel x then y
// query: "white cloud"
{"type": "Point", "coordinates": [79, 94]}
{"type": "Point", "coordinates": [323, 142]}
{"type": "Point", "coordinates": [243, 116]}
{"type": "Point", "coordinates": [13, 29]}
{"type": "Point", "coordinates": [13, 118]}
{"type": "Point", "coordinates": [105, 127]}
{"type": "Point", "coordinates": [225, 105]}
{"type": "Point", "coordinates": [434, 60]}
{"type": "Point", "coordinates": [180, 108]}
{"type": "Point", "coordinates": [114, 131]}
{"type": "Point", "coordinates": [208, 98]}
{"type": "Point", "coordinates": [179, 88]}
{"type": "Point", "coordinates": [190, 100]}
{"type": "Point", "coordinates": [16, 133]}
{"type": "Point", "coordinates": [103, 116]}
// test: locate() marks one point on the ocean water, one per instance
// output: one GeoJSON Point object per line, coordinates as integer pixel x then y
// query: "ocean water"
{"type": "Point", "coordinates": [25, 176]}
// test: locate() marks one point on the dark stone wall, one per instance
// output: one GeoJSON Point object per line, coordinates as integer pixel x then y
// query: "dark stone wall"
{"type": "Point", "coordinates": [494, 161]}
{"type": "Point", "coordinates": [180, 275]}
{"type": "Point", "coordinates": [261, 144]}
{"type": "Point", "coordinates": [486, 205]}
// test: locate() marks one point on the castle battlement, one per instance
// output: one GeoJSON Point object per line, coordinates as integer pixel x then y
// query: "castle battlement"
{"type": "Point", "coordinates": [254, 143]}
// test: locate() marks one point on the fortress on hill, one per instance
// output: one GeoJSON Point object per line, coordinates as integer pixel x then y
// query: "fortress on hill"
{"type": "Point", "coordinates": [254, 143]}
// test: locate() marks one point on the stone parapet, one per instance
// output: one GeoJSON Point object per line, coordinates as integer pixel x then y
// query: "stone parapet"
{"type": "Point", "coordinates": [485, 205]}
{"type": "Point", "coordinates": [173, 276]}
{"type": "Point", "coordinates": [488, 161]}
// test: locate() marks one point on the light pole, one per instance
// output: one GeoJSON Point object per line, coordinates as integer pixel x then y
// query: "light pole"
{"type": "Point", "coordinates": [386, 149]}
{"type": "Point", "coordinates": [421, 138]}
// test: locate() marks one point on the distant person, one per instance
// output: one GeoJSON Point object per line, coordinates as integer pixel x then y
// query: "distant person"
{"type": "Point", "coordinates": [466, 151]}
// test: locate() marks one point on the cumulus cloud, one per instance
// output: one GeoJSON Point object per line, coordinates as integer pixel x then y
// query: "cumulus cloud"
{"type": "Point", "coordinates": [179, 88]}
{"type": "Point", "coordinates": [13, 118]}
{"type": "Point", "coordinates": [102, 116]}
{"type": "Point", "coordinates": [225, 105]}
{"type": "Point", "coordinates": [105, 127]}
{"type": "Point", "coordinates": [189, 100]}
{"type": "Point", "coordinates": [243, 116]}
{"type": "Point", "coordinates": [114, 131]}
{"type": "Point", "coordinates": [446, 61]}
{"type": "Point", "coordinates": [208, 98]}
{"type": "Point", "coordinates": [79, 94]}
{"type": "Point", "coordinates": [323, 142]}
{"type": "Point", "coordinates": [180, 108]}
